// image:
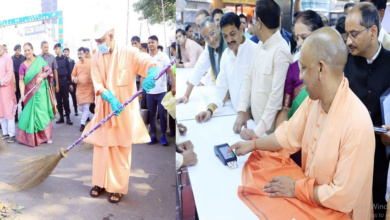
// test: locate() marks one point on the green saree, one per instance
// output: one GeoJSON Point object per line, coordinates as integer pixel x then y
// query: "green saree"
{"type": "Point", "coordinates": [297, 102]}
{"type": "Point", "coordinates": [34, 125]}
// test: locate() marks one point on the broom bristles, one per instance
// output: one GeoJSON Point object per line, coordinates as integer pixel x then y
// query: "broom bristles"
{"type": "Point", "coordinates": [86, 147]}
{"type": "Point", "coordinates": [7, 187]}
{"type": "Point", "coordinates": [3, 148]}
{"type": "Point", "coordinates": [33, 171]}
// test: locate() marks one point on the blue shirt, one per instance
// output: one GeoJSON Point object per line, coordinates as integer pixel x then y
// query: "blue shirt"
{"type": "Point", "coordinates": [286, 35]}
{"type": "Point", "coordinates": [255, 39]}
{"type": "Point", "coordinates": [247, 35]}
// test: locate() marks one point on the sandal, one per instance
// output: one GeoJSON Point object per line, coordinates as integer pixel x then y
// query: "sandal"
{"type": "Point", "coordinates": [116, 195]}
{"type": "Point", "coordinates": [96, 189]}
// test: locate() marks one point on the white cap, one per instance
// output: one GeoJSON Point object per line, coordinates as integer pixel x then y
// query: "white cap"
{"type": "Point", "coordinates": [101, 28]}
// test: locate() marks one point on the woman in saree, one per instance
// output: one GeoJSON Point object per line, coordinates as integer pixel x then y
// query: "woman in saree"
{"type": "Point", "coordinates": [34, 126]}
{"type": "Point", "coordinates": [294, 89]}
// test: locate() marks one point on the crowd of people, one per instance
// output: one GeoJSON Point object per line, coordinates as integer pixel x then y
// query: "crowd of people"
{"type": "Point", "coordinates": [152, 100]}
{"type": "Point", "coordinates": [313, 94]}
{"type": "Point", "coordinates": [65, 78]}
{"type": "Point", "coordinates": [98, 85]}
{"type": "Point", "coordinates": [49, 78]}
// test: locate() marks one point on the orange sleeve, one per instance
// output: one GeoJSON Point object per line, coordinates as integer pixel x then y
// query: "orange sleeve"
{"type": "Point", "coordinates": [141, 62]}
{"type": "Point", "coordinates": [95, 73]}
{"type": "Point", "coordinates": [290, 133]}
{"type": "Point", "coordinates": [74, 72]}
{"type": "Point", "coordinates": [354, 171]}
{"type": "Point", "coordinates": [304, 190]}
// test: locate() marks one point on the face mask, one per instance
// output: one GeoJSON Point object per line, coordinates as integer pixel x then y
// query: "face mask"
{"type": "Point", "coordinates": [104, 48]}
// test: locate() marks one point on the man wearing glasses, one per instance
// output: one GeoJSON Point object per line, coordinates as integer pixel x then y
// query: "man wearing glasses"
{"type": "Point", "coordinates": [210, 57]}
{"type": "Point", "coordinates": [234, 61]}
{"type": "Point", "coordinates": [368, 71]}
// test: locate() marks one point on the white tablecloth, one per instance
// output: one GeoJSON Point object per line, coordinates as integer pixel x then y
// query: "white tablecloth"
{"type": "Point", "coordinates": [199, 99]}
{"type": "Point", "coordinates": [213, 184]}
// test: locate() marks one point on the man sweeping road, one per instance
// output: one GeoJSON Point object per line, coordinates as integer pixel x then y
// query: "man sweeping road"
{"type": "Point", "coordinates": [113, 70]}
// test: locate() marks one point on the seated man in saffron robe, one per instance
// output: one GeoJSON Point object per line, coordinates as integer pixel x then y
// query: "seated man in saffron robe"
{"type": "Point", "coordinates": [334, 130]}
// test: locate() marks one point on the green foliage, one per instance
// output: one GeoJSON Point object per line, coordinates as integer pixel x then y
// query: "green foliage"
{"type": "Point", "coordinates": [151, 11]}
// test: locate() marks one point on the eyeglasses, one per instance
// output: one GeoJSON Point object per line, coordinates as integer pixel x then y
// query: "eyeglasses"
{"type": "Point", "coordinates": [212, 34]}
{"type": "Point", "coordinates": [354, 35]}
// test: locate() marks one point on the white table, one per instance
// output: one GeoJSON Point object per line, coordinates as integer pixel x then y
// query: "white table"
{"type": "Point", "coordinates": [182, 76]}
{"type": "Point", "coordinates": [214, 185]}
{"type": "Point", "coordinates": [200, 98]}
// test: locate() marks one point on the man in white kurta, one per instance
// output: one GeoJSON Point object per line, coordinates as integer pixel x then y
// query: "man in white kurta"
{"type": "Point", "coordinates": [234, 62]}
{"type": "Point", "coordinates": [264, 80]}
{"type": "Point", "coordinates": [210, 57]}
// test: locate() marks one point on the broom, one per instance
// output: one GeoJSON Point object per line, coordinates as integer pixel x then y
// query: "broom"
{"type": "Point", "coordinates": [34, 171]}
{"type": "Point", "coordinates": [3, 148]}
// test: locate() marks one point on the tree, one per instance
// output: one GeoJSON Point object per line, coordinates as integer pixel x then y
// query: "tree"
{"type": "Point", "coordinates": [151, 11]}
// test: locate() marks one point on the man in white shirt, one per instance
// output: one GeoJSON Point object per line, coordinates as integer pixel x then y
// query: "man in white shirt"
{"type": "Point", "coordinates": [190, 50]}
{"type": "Point", "coordinates": [210, 57]}
{"type": "Point", "coordinates": [264, 80]}
{"type": "Point", "coordinates": [156, 95]}
{"type": "Point", "coordinates": [233, 65]}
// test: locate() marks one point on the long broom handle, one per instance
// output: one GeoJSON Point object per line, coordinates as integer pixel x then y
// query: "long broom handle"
{"type": "Point", "coordinates": [122, 106]}
{"type": "Point", "coordinates": [25, 96]}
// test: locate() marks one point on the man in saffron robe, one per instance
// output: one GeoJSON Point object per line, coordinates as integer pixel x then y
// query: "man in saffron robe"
{"type": "Point", "coordinates": [85, 94]}
{"type": "Point", "coordinates": [113, 69]}
{"type": "Point", "coordinates": [334, 130]}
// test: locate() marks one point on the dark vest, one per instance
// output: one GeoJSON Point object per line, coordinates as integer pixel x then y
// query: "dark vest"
{"type": "Point", "coordinates": [71, 63]}
{"type": "Point", "coordinates": [17, 62]}
{"type": "Point", "coordinates": [369, 81]}
{"type": "Point", "coordinates": [62, 70]}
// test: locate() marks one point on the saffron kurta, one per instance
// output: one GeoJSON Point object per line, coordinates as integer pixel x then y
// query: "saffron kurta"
{"type": "Point", "coordinates": [84, 92]}
{"type": "Point", "coordinates": [113, 140]}
{"type": "Point", "coordinates": [121, 67]}
{"type": "Point", "coordinates": [337, 151]}
{"type": "Point", "coordinates": [7, 87]}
